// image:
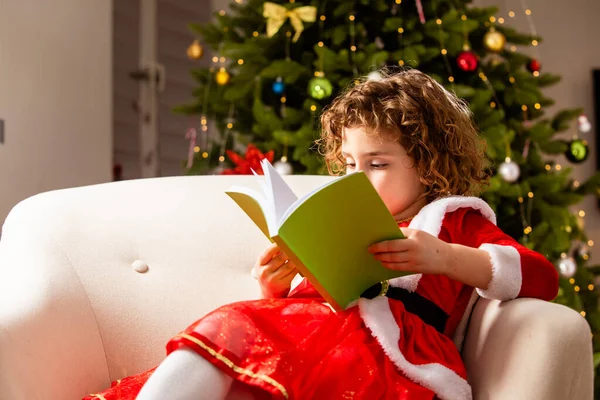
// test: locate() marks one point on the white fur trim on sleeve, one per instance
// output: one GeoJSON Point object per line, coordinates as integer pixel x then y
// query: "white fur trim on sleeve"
{"type": "Point", "coordinates": [506, 272]}
{"type": "Point", "coordinates": [443, 381]}
{"type": "Point", "coordinates": [430, 218]}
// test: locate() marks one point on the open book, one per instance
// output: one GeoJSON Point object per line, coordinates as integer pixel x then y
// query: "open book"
{"type": "Point", "coordinates": [326, 232]}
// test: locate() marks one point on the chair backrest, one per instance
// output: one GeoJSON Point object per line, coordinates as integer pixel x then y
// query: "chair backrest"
{"type": "Point", "coordinates": [199, 247]}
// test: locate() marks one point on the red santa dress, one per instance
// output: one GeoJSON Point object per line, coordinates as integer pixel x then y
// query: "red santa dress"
{"type": "Point", "coordinates": [404, 345]}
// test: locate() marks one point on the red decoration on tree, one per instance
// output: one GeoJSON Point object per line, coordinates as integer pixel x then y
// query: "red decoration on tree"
{"type": "Point", "coordinates": [251, 161]}
{"type": "Point", "coordinates": [467, 61]}
{"type": "Point", "coordinates": [534, 65]}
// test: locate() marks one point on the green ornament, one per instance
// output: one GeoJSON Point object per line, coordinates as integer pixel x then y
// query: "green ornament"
{"type": "Point", "coordinates": [319, 88]}
{"type": "Point", "coordinates": [578, 151]}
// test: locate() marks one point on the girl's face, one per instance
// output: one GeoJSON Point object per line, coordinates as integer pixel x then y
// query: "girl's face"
{"type": "Point", "coordinates": [391, 171]}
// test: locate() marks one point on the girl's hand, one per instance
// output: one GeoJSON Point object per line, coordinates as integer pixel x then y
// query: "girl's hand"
{"type": "Point", "coordinates": [274, 272]}
{"type": "Point", "coordinates": [420, 252]}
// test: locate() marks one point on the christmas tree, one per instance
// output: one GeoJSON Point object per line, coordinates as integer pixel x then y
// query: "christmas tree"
{"type": "Point", "coordinates": [277, 64]}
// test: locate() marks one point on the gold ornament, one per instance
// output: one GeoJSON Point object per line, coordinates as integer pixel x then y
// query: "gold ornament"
{"type": "Point", "coordinates": [276, 15]}
{"type": "Point", "coordinates": [195, 51]}
{"type": "Point", "coordinates": [222, 77]}
{"type": "Point", "coordinates": [494, 41]}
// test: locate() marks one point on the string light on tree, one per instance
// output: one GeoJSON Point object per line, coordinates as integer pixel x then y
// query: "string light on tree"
{"type": "Point", "coordinates": [443, 50]}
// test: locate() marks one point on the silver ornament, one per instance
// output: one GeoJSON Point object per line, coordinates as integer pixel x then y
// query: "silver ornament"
{"type": "Point", "coordinates": [567, 267]}
{"type": "Point", "coordinates": [374, 76]}
{"type": "Point", "coordinates": [509, 171]}
{"type": "Point", "coordinates": [283, 167]}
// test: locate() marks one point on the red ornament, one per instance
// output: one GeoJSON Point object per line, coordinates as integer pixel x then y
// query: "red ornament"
{"type": "Point", "coordinates": [251, 161]}
{"type": "Point", "coordinates": [534, 65]}
{"type": "Point", "coordinates": [467, 61]}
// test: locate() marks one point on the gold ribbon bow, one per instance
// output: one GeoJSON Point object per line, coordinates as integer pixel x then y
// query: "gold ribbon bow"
{"type": "Point", "coordinates": [276, 15]}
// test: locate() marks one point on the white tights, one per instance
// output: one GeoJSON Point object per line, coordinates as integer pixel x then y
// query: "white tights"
{"type": "Point", "coordinates": [185, 375]}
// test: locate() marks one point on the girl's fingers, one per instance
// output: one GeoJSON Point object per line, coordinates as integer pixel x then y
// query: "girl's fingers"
{"type": "Point", "coordinates": [389, 246]}
{"type": "Point", "coordinates": [274, 267]}
{"type": "Point", "coordinates": [285, 273]}
{"type": "Point", "coordinates": [268, 254]}
{"type": "Point", "coordinates": [392, 257]}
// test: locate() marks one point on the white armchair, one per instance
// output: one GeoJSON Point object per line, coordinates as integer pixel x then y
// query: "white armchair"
{"type": "Point", "coordinates": [75, 315]}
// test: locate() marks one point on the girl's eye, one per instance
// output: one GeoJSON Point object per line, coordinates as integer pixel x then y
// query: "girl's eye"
{"type": "Point", "coordinates": [350, 165]}
{"type": "Point", "coordinates": [378, 166]}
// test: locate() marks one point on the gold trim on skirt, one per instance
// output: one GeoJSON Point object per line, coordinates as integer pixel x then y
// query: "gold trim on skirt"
{"type": "Point", "coordinates": [235, 368]}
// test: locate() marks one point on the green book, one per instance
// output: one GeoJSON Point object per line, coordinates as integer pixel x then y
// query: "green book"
{"type": "Point", "coordinates": [325, 233]}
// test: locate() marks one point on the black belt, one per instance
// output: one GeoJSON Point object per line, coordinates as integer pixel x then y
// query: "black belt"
{"type": "Point", "coordinates": [414, 303]}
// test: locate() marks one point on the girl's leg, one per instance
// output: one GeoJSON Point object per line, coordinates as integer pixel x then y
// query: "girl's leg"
{"type": "Point", "coordinates": [185, 375]}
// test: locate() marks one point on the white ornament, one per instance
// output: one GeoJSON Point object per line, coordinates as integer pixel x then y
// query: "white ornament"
{"type": "Point", "coordinates": [140, 266]}
{"type": "Point", "coordinates": [283, 167]}
{"type": "Point", "coordinates": [374, 76]}
{"type": "Point", "coordinates": [583, 124]}
{"type": "Point", "coordinates": [567, 267]}
{"type": "Point", "coordinates": [509, 171]}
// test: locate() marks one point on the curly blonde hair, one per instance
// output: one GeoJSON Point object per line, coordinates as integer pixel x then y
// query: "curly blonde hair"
{"type": "Point", "coordinates": [433, 125]}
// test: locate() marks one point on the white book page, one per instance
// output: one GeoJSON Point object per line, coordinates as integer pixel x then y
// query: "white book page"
{"type": "Point", "coordinates": [282, 195]}
{"type": "Point", "coordinates": [265, 205]}
{"type": "Point", "coordinates": [264, 185]}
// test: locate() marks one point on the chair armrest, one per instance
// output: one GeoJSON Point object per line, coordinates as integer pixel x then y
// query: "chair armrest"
{"type": "Point", "coordinates": [528, 349]}
{"type": "Point", "coordinates": [50, 346]}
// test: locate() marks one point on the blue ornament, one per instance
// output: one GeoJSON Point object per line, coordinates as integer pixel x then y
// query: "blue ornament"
{"type": "Point", "coordinates": [278, 86]}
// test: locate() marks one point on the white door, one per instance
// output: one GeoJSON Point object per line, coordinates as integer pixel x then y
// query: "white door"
{"type": "Point", "coordinates": [55, 96]}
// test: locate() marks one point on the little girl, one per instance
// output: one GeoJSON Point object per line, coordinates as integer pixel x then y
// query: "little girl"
{"type": "Point", "coordinates": [416, 143]}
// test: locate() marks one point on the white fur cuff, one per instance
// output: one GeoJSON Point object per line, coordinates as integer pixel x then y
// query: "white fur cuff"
{"type": "Point", "coordinates": [506, 272]}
